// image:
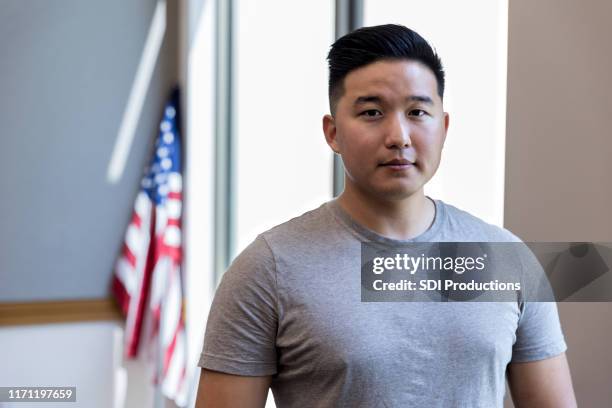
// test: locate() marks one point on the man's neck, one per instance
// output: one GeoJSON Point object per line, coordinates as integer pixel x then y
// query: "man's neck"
{"type": "Point", "coordinates": [398, 219]}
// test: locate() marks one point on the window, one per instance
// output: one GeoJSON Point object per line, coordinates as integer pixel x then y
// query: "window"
{"type": "Point", "coordinates": [471, 38]}
{"type": "Point", "coordinates": [283, 165]}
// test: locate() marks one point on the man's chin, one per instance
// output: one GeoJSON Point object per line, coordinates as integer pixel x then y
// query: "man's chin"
{"type": "Point", "coordinates": [399, 193]}
{"type": "Point", "coordinates": [392, 191]}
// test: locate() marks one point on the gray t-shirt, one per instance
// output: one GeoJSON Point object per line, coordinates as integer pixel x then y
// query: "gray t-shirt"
{"type": "Point", "coordinates": [290, 306]}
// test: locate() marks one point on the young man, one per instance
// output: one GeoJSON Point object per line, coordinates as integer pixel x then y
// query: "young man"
{"type": "Point", "coordinates": [288, 312]}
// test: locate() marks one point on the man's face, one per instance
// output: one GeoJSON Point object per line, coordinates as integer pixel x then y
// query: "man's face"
{"type": "Point", "coordinates": [389, 128]}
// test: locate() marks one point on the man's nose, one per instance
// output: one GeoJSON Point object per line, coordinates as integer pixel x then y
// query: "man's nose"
{"type": "Point", "coordinates": [398, 133]}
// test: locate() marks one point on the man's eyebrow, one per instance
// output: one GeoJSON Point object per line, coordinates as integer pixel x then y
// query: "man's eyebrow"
{"type": "Point", "coordinates": [361, 100]}
{"type": "Point", "coordinates": [420, 98]}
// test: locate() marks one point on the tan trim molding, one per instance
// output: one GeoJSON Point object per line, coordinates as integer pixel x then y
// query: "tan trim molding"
{"type": "Point", "coordinates": [58, 311]}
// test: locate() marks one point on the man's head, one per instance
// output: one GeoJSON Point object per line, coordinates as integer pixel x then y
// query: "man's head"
{"type": "Point", "coordinates": [387, 122]}
{"type": "Point", "coordinates": [370, 44]}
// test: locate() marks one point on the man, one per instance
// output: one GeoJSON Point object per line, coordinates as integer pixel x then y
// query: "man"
{"type": "Point", "coordinates": [288, 312]}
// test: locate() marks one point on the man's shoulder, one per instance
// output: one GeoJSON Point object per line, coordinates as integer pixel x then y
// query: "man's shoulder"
{"type": "Point", "coordinates": [468, 226]}
{"type": "Point", "coordinates": [301, 228]}
{"type": "Point", "coordinates": [289, 238]}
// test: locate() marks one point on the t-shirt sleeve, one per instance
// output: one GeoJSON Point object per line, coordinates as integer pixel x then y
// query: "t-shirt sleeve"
{"type": "Point", "coordinates": [539, 334]}
{"type": "Point", "coordinates": [241, 329]}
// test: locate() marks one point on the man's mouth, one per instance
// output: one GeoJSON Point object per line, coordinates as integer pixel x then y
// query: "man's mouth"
{"type": "Point", "coordinates": [398, 164]}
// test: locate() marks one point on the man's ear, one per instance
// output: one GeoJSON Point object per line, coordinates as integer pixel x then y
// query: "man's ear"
{"type": "Point", "coordinates": [329, 129]}
{"type": "Point", "coordinates": [446, 123]}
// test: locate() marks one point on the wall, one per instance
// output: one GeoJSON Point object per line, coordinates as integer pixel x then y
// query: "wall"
{"type": "Point", "coordinates": [82, 355]}
{"type": "Point", "coordinates": [66, 73]}
{"type": "Point", "coordinates": [557, 156]}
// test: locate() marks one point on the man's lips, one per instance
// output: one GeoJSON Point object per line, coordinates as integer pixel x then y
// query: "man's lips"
{"type": "Point", "coordinates": [398, 164]}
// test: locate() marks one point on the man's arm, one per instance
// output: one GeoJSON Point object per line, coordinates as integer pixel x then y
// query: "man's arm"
{"type": "Point", "coordinates": [542, 384]}
{"type": "Point", "coordinates": [220, 390]}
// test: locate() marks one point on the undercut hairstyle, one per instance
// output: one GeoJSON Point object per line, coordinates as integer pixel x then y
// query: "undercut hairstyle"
{"type": "Point", "coordinates": [371, 44]}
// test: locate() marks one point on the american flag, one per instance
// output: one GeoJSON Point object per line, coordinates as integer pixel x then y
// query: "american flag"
{"type": "Point", "coordinates": [147, 279]}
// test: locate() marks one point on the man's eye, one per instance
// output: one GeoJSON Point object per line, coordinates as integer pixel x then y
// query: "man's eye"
{"type": "Point", "coordinates": [418, 112]}
{"type": "Point", "coordinates": [371, 113]}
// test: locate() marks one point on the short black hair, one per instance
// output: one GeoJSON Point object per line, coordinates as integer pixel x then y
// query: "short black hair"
{"type": "Point", "coordinates": [370, 44]}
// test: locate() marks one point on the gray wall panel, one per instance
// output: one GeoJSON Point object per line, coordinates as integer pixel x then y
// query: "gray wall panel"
{"type": "Point", "coordinates": [66, 70]}
{"type": "Point", "coordinates": [558, 149]}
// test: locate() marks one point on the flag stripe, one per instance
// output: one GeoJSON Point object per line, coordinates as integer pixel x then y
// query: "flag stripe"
{"type": "Point", "coordinates": [129, 256]}
{"type": "Point", "coordinates": [142, 299]}
{"type": "Point", "coordinates": [136, 220]}
{"type": "Point", "coordinates": [121, 295]}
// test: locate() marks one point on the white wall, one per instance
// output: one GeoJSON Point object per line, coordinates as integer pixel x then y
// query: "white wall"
{"type": "Point", "coordinates": [80, 354]}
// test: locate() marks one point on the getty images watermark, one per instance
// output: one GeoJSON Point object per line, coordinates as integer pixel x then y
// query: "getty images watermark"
{"type": "Point", "coordinates": [486, 272]}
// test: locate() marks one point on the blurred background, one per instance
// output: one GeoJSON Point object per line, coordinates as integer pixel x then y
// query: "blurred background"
{"type": "Point", "coordinates": [83, 90]}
